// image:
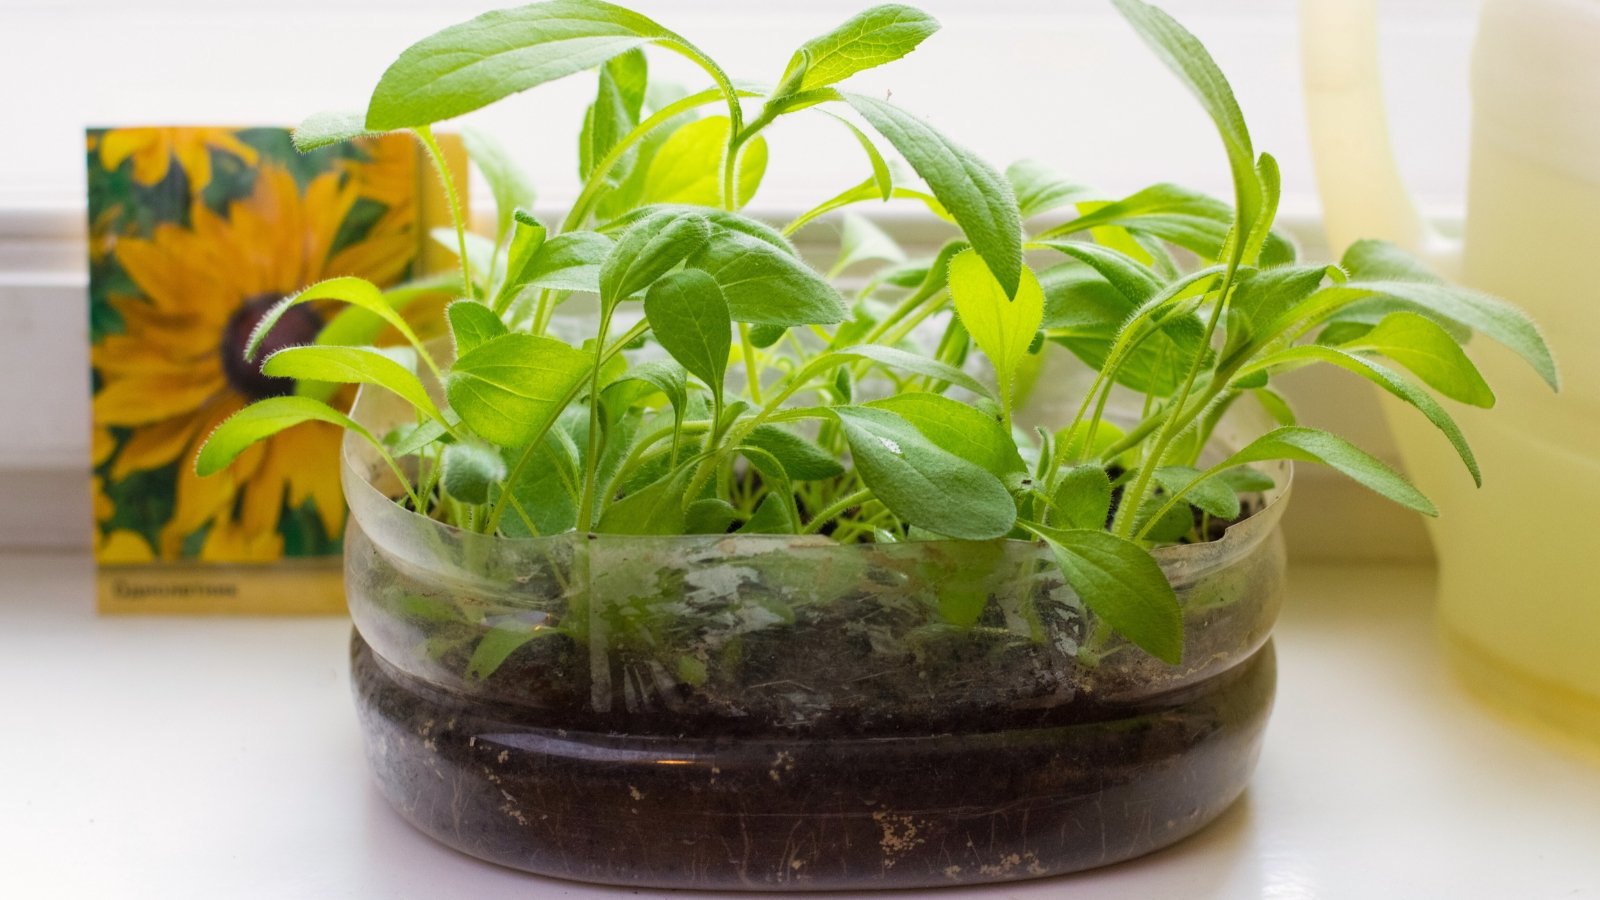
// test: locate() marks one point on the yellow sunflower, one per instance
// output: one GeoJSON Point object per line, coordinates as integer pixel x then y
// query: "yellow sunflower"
{"type": "Point", "coordinates": [177, 370]}
{"type": "Point", "coordinates": [153, 149]}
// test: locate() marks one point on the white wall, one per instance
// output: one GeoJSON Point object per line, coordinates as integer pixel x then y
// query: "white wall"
{"type": "Point", "coordinates": [1062, 80]}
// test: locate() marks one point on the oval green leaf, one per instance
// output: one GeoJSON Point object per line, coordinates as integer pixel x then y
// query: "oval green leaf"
{"type": "Point", "coordinates": [920, 482]}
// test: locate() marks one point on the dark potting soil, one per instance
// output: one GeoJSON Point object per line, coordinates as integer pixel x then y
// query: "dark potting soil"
{"type": "Point", "coordinates": [844, 804]}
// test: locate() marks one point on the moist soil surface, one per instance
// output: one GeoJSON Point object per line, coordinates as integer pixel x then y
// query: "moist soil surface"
{"type": "Point", "coordinates": [723, 804]}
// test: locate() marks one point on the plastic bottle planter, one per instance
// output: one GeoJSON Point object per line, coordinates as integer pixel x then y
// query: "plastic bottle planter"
{"type": "Point", "coordinates": [767, 713]}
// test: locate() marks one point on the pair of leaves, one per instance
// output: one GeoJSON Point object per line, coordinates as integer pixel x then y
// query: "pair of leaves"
{"type": "Point", "coordinates": [353, 365]}
{"type": "Point", "coordinates": [1002, 326]}
{"type": "Point", "coordinates": [1187, 218]}
{"type": "Point", "coordinates": [1398, 281]}
{"type": "Point", "coordinates": [1389, 381]}
{"type": "Point", "coordinates": [687, 168]}
{"type": "Point", "coordinates": [357, 292]}
{"type": "Point", "coordinates": [648, 250]}
{"type": "Point", "coordinates": [1085, 311]}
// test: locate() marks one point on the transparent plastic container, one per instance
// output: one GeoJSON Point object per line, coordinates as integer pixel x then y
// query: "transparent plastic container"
{"type": "Point", "coordinates": [771, 713]}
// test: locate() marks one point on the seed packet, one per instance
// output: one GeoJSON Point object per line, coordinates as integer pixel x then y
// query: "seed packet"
{"type": "Point", "coordinates": [194, 233]}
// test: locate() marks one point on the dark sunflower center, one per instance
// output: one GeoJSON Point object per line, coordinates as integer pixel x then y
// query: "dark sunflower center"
{"type": "Point", "coordinates": [298, 325]}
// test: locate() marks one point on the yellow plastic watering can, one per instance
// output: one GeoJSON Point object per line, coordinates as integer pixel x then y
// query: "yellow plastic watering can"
{"type": "Point", "coordinates": [1519, 560]}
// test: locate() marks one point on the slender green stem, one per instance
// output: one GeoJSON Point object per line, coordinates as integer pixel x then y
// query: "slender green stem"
{"type": "Point", "coordinates": [730, 173]}
{"type": "Point", "coordinates": [1128, 510]}
{"type": "Point", "coordinates": [1176, 498]}
{"type": "Point", "coordinates": [584, 205]}
{"type": "Point", "coordinates": [751, 368]}
{"type": "Point", "coordinates": [543, 310]}
{"type": "Point", "coordinates": [591, 456]}
{"type": "Point", "coordinates": [725, 86]}
{"type": "Point", "coordinates": [405, 480]}
{"type": "Point", "coordinates": [833, 510]}
{"type": "Point", "coordinates": [425, 135]}
{"type": "Point", "coordinates": [528, 452]}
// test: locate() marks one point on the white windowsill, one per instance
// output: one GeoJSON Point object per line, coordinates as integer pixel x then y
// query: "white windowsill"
{"type": "Point", "coordinates": [169, 757]}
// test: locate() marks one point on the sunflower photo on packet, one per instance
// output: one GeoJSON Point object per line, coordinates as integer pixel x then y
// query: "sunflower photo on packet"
{"type": "Point", "coordinates": [194, 234]}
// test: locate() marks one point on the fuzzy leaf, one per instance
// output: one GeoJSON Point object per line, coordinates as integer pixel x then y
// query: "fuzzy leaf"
{"type": "Point", "coordinates": [1387, 379]}
{"type": "Point", "coordinates": [1002, 326]}
{"type": "Point", "coordinates": [665, 376]}
{"type": "Point", "coordinates": [1311, 445]}
{"type": "Point", "coordinates": [569, 262]}
{"type": "Point", "coordinates": [916, 364]}
{"type": "Point", "coordinates": [261, 420]}
{"type": "Point", "coordinates": [764, 282]}
{"type": "Point", "coordinates": [712, 515]}
{"type": "Point", "coordinates": [354, 291]}
{"type": "Point", "coordinates": [470, 470]}
{"type": "Point", "coordinates": [509, 389]}
{"type": "Point", "coordinates": [1419, 344]}
{"type": "Point", "coordinates": [882, 177]}
{"type": "Point", "coordinates": [1182, 53]}
{"type": "Point", "coordinates": [689, 316]}
{"type": "Point", "coordinates": [772, 516]}
{"type": "Point", "coordinates": [618, 103]}
{"type": "Point", "coordinates": [1388, 272]}
{"type": "Point", "coordinates": [1040, 189]}
{"type": "Point", "coordinates": [868, 39]}
{"type": "Point", "coordinates": [510, 186]}
{"type": "Point", "coordinates": [648, 250]}
{"type": "Point", "coordinates": [801, 459]}
{"type": "Point", "coordinates": [352, 365]}
{"type": "Point", "coordinates": [1083, 498]}
{"type": "Point", "coordinates": [921, 483]}
{"type": "Point", "coordinates": [688, 167]}
{"type": "Point", "coordinates": [472, 64]}
{"type": "Point", "coordinates": [1121, 583]}
{"type": "Point", "coordinates": [957, 428]}
{"type": "Point", "coordinates": [975, 194]}
{"type": "Point", "coordinates": [527, 239]}
{"type": "Point", "coordinates": [325, 129]}
{"type": "Point", "coordinates": [861, 241]}
{"type": "Point", "coordinates": [1211, 495]}
{"type": "Point", "coordinates": [472, 324]}
{"type": "Point", "coordinates": [546, 491]}
{"type": "Point", "coordinates": [657, 508]}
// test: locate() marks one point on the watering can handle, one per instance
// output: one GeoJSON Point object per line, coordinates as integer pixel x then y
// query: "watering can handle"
{"type": "Point", "coordinates": [1362, 193]}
